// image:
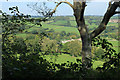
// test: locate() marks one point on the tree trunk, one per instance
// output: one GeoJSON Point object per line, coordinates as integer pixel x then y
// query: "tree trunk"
{"type": "Point", "coordinates": [84, 33]}
{"type": "Point", "coordinates": [86, 51]}
{"type": "Point", "coordinates": [86, 45]}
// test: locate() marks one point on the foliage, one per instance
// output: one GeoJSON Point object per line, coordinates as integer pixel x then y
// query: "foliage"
{"type": "Point", "coordinates": [73, 47]}
{"type": "Point", "coordinates": [12, 24]}
{"type": "Point", "coordinates": [98, 52]}
{"type": "Point", "coordinates": [49, 46]}
{"type": "Point", "coordinates": [111, 67]}
{"type": "Point", "coordinates": [34, 32]}
{"type": "Point", "coordinates": [20, 57]}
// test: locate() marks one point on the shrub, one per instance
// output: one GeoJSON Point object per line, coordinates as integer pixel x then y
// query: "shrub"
{"type": "Point", "coordinates": [73, 47]}
{"type": "Point", "coordinates": [34, 32]}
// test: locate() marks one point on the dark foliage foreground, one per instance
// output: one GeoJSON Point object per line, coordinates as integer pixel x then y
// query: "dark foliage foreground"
{"type": "Point", "coordinates": [35, 67]}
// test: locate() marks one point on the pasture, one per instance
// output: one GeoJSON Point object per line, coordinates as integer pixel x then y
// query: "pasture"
{"type": "Point", "coordinates": [63, 58]}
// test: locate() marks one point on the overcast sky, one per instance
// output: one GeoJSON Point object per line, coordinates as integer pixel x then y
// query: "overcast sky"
{"type": "Point", "coordinates": [94, 7]}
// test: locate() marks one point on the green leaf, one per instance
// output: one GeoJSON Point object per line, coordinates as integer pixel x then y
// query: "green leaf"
{"type": "Point", "coordinates": [78, 60]}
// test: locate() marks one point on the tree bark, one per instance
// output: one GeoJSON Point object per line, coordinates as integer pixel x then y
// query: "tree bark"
{"type": "Point", "coordinates": [86, 50]}
{"type": "Point", "coordinates": [84, 33]}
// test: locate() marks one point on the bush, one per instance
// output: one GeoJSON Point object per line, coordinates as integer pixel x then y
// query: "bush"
{"type": "Point", "coordinates": [30, 37]}
{"type": "Point", "coordinates": [98, 53]}
{"type": "Point", "coordinates": [49, 46]}
{"type": "Point", "coordinates": [34, 32]}
{"type": "Point", "coordinates": [73, 47]}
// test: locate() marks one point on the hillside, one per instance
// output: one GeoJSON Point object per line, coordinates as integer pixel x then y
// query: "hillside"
{"type": "Point", "coordinates": [68, 24]}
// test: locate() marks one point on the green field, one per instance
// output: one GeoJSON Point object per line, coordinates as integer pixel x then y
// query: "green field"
{"type": "Point", "coordinates": [60, 22]}
{"type": "Point", "coordinates": [115, 45]}
{"type": "Point", "coordinates": [73, 23]}
{"type": "Point", "coordinates": [66, 57]}
{"type": "Point", "coordinates": [24, 35]}
{"type": "Point", "coordinates": [61, 28]}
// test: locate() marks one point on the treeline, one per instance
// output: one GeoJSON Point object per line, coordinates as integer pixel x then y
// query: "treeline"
{"type": "Point", "coordinates": [50, 33]}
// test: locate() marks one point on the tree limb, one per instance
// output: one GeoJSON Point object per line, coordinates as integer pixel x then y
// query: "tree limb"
{"type": "Point", "coordinates": [59, 4]}
{"type": "Point", "coordinates": [109, 13]}
{"type": "Point", "coordinates": [82, 10]}
{"type": "Point", "coordinates": [79, 8]}
{"type": "Point", "coordinates": [117, 12]}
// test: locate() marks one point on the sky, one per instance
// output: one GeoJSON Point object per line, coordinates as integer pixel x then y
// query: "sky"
{"type": "Point", "coordinates": [94, 7]}
{"type": "Point", "coordinates": [49, 0]}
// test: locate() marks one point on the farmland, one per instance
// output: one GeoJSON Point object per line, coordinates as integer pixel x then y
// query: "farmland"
{"type": "Point", "coordinates": [68, 24]}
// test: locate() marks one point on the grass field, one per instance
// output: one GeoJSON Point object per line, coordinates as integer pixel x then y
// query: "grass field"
{"type": "Point", "coordinates": [24, 35]}
{"type": "Point", "coordinates": [115, 45]}
{"type": "Point", "coordinates": [112, 24]}
{"type": "Point", "coordinates": [66, 57]}
{"type": "Point", "coordinates": [61, 28]}
{"type": "Point", "coordinates": [60, 22]}
{"type": "Point", "coordinates": [61, 58]}
{"type": "Point", "coordinates": [73, 23]}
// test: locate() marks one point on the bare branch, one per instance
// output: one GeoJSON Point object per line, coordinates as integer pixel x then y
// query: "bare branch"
{"type": "Point", "coordinates": [59, 4]}
{"type": "Point", "coordinates": [109, 13]}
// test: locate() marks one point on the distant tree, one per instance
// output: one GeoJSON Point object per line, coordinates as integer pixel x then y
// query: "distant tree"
{"type": "Point", "coordinates": [49, 46]}
{"type": "Point", "coordinates": [68, 23]}
{"type": "Point", "coordinates": [34, 32]}
{"type": "Point", "coordinates": [63, 33]}
{"type": "Point", "coordinates": [73, 47]}
{"type": "Point", "coordinates": [73, 36]}
{"type": "Point", "coordinates": [51, 30]}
